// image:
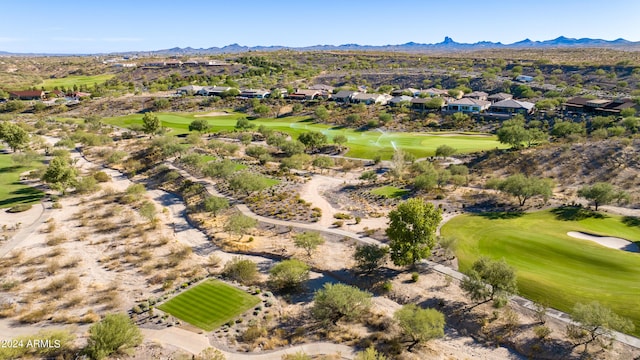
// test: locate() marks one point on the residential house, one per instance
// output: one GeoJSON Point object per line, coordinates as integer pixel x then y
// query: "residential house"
{"type": "Point", "coordinates": [510, 107]}
{"type": "Point", "coordinates": [189, 90]}
{"type": "Point", "coordinates": [598, 106]}
{"type": "Point", "coordinates": [213, 90]}
{"type": "Point", "coordinates": [478, 95]}
{"type": "Point", "coordinates": [27, 95]}
{"type": "Point", "coordinates": [77, 95]}
{"type": "Point", "coordinates": [156, 64]}
{"type": "Point", "coordinates": [301, 94]}
{"type": "Point", "coordinates": [322, 87]}
{"type": "Point", "coordinates": [499, 97]}
{"type": "Point", "coordinates": [408, 91]}
{"type": "Point", "coordinates": [370, 99]}
{"type": "Point", "coordinates": [254, 93]}
{"type": "Point", "coordinates": [344, 96]}
{"type": "Point", "coordinates": [434, 92]}
{"type": "Point", "coordinates": [468, 105]}
{"type": "Point", "coordinates": [420, 104]}
{"type": "Point", "coordinates": [398, 100]}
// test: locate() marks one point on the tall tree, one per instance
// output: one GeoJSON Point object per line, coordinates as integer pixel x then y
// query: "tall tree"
{"type": "Point", "coordinates": [15, 136]}
{"type": "Point", "coordinates": [214, 204]}
{"type": "Point", "coordinates": [498, 275]}
{"type": "Point", "coordinates": [150, 123]}
{"type": "Point", "coordinates": [335, 302]}
{"type": "Point", "coordinates": [288, 275]}
{"type": "Point", "coordinates": [312, 139]}
{"type": "Point", "coordinates": [412, 227]}
{"type": "Point", "coordinates": [420, 325]}
{"type": "Point", "coordinates": [239, 224]}
{"type": "Point", "coordinates": [369, 257]}
{"type": "Point", "coordinates": [60, 174]}
{"type": "Point", "coordinates": [601, 193]}
{"type": "Point", "coordinates": [524, 187]}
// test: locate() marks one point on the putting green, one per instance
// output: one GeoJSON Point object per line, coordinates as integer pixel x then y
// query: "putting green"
{"type": "Point", "coordinates": [209, 304]}
{"type": "Point", "coordinates": [362, 144]}
{"type": "Point", "coordinates": [553, 267]}
{"type": "Point", "coordinates": [12, 192]}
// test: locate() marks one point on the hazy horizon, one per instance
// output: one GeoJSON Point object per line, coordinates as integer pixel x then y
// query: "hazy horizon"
{"type": "Point", "coordinates": [119, 26]}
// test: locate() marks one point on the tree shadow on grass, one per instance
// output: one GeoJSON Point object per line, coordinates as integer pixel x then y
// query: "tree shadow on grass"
{"type": "Point", "coordinates": [631, 221]}
{"type": "Point", "coordinates": [501, 215]}
{"type": "Point", "coordinates": [575, 213]}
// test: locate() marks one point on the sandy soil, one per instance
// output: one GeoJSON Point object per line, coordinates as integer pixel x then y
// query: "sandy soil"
{"type": "Point", "coordinates": [608, 241]}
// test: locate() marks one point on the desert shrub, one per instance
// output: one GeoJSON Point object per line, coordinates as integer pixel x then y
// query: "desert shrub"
{"type": "Point", "coordinates": [242, 271]}
{"type": "Point", "coordinates": [115, 333]}
{"type": "Point", "coordinates": [19, 208]}
{"type": "Point", "coordinates": [101, 176]}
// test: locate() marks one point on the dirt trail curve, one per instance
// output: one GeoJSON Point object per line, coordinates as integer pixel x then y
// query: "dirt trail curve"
{"type": "Point", "coordinates": [25, 232]}
{"type": "Point", "coordinates": [195, 343]}
{"type": "Point", "coordinates": [556, 314]}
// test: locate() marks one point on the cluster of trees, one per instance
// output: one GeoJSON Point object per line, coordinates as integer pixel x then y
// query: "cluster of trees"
{"type": "Point", "coordinates": [523, 187]}
{"type": "Point", "coordinates": [514, 133]}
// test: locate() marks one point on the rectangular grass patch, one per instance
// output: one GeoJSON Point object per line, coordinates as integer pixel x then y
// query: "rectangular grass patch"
{"type": "Point", "coordinates": [209, 304]}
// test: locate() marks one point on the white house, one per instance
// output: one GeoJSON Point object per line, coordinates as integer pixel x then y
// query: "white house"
{"type": "Point", "coordinates": [468, 105]}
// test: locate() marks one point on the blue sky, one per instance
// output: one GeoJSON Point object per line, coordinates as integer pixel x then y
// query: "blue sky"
{"type": "Point", "coordinates": [108, 26]}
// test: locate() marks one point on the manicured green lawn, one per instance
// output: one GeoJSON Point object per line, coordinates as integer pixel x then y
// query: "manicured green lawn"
{"type": "Point", "coordinates": [12, 192]}
{"type": "Point", "coordinates": [69, 81]}
{"type": "Point", "coordinates": [362, 144]}
{"type": "Point", "coordinates": [209, 304]}
{"type": "Point", "coordinates": [551, 266]}
{"type": "Point", "coordinates": [390, 191]}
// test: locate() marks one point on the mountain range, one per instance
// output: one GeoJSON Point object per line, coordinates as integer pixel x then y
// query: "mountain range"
{"type": "Point", "coordinates": [447, 45]}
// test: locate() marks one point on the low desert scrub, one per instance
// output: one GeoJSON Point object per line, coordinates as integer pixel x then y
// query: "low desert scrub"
{"type": "Point", "coordinates": [55, 252]}
{"type": "Point", "coordinates": [59, 287]}
{"type": "Point", "coordinates": [9, 284]}
{"type": "Point", "coordinates": [35, 316]}
{"type": "Point", "coordinates": [7, 310]}
{"type": "Point", "coordinates": [54, 240]}
{"type": "Point", "coordinates": [65, 318]}
{"type": "Point", "coordinates": [30, 274]}
{"type": "Point", "coordinates": [52, 267]}
{"type": "Point", "coordinates": [72, 262]}
{"type": "Point", "coordinates": [90, 317]}
{"type": "Point", "coordinates": [74, 300]}
{"type": "Point", "coordinates": [51, 226]}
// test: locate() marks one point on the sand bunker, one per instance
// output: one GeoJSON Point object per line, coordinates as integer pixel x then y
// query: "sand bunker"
{"type": "Point", "coordinates": [608, 241]}
{"type": "Point", "coordinates": [212, 114]}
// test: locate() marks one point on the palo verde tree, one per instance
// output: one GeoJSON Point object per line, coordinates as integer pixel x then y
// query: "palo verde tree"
{"type": "Point", "coordinates": [15, 136]}
{"type": "Point", "coordinates": [199, 125]}
{"type": "Point", "coordinates": [488, 279]}
{"type": "Point", "coordinates": [150, 123]}
{"type": "Point", "coordinates": [602, 193]}
{"type": "Point", "coordinates": [308, 240]}
{"type": "Point", "coordinates": [239, 224]}
{"type": "Point", "coordinates": [370, 257]}
{"type": "Point", "coordinates": [215, 204]}
{"type": "Point", "coordinates": [412, 227]}
{"type": "Point", "coordinates": [335, 302]}
{"type": "Point", "coordinates": [60, 173]}
{"type": "Point", "coordinates": [312, 140]}
{"type": "Point", "coordinates": [595, 322]}
{"type": "Point", "coordinates": [419, 325]}
{"type": "Point", "coordinates": [523, 187]}
{"type": "Point", "coordinates": [288, 275]}
{"type": "Point", "coordinates": [115, 333]}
